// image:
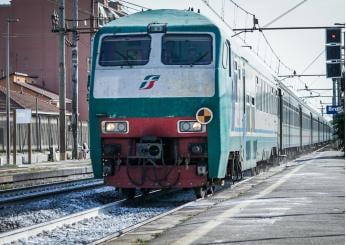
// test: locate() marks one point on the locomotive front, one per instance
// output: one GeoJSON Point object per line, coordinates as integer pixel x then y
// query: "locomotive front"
{"type": "Point", "coordinates": [152, 101]}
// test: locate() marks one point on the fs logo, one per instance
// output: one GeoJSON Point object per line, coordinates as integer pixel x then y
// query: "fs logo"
{"type": "Point", "coordinates": [149, 82]}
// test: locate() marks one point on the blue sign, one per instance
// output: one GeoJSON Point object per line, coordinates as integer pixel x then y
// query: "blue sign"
{"type": "Point", "coordinates": [333, 109]}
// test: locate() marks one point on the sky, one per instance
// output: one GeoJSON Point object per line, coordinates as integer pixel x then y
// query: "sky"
{"type": "Point", "coordinates": [295, 48]}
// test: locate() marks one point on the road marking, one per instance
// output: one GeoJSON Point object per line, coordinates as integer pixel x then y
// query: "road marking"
{"type": "Point", "coordinates": [224, 216]}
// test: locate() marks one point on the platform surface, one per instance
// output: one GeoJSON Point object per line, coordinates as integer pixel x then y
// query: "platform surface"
{"type": "Point", "coordinates": [298, 202]}
{"type": "Point", "coordinates": [12, 176]}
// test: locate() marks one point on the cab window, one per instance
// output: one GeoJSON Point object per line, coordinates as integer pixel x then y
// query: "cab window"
{"type": "Point", "coordinates": [186, 49]}
{"type": "Point", "coordinates": [125, 50]}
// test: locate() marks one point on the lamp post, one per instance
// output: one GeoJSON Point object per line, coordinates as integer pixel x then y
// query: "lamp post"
{"type": "Point", "coordinates": [8, 105]}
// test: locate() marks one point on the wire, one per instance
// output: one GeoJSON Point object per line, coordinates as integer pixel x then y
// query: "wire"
{"type": "Point", "coordinates": [275, 54]}
{"type": "Point", "coordinates": [285, 13]}
{"type": "Point", "coordinates": [237, 34]}
{"type": "Point", "coordinates": [308, 66]}
{"type": "Point", "coordinates": [247, 12]}
{"type": "Point", "coordinates": [139, 6]}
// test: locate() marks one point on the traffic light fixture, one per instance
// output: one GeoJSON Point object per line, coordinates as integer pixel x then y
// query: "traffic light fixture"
{"type": "Point", "coordinates": [333, 53]}
{"type": "Point", "coordinates": [333, 35]}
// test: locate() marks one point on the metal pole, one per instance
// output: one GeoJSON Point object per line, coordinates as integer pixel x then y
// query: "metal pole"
{"type": "Point", "coordinates": [8, 126]}
{"type": "Point", "coordinates": [334, 93]}
{"type": "Point", "coordinates": [338, 80]}
{"type": "Point", "coordinates": [14, 137]}
{"type": "Point", "coordinates": [62, 80]}
{"type": "Point", "coordinates": [75, 79]}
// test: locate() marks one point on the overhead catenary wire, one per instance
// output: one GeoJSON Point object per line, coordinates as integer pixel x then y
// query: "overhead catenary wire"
{"type": "Point", "coordinates": [280, 62]}
{"type": "Point", "coordinates": [312, 62]}
{"type": "Point", "coordinates": [139, 6]}
{"type": "Point", "coordinates": [285, 13]}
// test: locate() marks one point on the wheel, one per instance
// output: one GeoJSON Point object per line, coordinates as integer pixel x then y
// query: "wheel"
{"type": "Point", "coordinates": [200, 192]}
{"type": "Point", "coordinates": [211, 189]}
{"type": "Point", "coordinates": [129, 193]}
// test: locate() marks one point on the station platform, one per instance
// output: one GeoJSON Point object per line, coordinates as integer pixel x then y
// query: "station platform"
{"type": "Point", "coordinates": [25, 175]}
{"type": "Point", "coordinates": [299, 202]}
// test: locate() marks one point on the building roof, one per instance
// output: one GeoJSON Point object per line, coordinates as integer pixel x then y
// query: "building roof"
{"type": "Point", "coordinates": [20, 100]}
{"type": "Point", "coordinates": [34, 88]}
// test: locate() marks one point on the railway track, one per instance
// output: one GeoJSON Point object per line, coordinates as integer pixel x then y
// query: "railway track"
{"type": "Point", "coordinates": [26, 193]}
{"type": "Point", "coordinates": [24, 234]}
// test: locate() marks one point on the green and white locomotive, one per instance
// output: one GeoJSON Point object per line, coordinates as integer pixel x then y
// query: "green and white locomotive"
{"type": "Point", "coordinates": [175, 102]}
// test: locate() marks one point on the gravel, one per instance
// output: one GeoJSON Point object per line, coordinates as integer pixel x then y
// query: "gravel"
{"type": "Point", "coordinates": [117, 218]}
{"type": "Point", "coordinates": [16, 216]}
{"type": "Point", "coordinates": [96, 228]}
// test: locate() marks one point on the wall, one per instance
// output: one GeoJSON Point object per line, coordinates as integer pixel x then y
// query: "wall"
{"type": "Point", "coordinates": [34, 48]}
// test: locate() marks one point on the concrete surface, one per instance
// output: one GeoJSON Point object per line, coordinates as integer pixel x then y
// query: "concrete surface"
{"type": "Point", "coordinates": [12, 176]}
{"type": "Point", "coordinates": [303, 204]}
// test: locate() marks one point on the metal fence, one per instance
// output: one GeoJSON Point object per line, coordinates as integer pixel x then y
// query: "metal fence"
{"type": "Point", "coordinates": [44, 133]}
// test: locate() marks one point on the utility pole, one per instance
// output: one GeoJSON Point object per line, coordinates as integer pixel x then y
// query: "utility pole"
{"type": "Point", "coordinates": [8, 94]}
{"type": "Point", "coordinates": [338, 81]}
{"type": "Point", "coordinates": [74, 47]}
{"type": "Point", "coordinates": [8, 100]}
{"type": "Point", "coordinates": [334, 92]}
{"type": "Point", "coordinates": [62, 80]}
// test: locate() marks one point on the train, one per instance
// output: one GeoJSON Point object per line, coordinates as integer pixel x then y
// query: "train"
{"type": "Point", "coordinates": [176, 102]}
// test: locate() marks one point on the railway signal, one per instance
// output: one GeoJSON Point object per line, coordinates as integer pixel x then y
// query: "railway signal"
{"type": "Point", "coordinates": [333, 35]}
{"type": "Point", "coordinates": [333, 53]}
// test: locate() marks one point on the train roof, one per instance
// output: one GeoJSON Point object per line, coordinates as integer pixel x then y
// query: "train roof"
{"type": "Point", "coordinates": [171, 16]}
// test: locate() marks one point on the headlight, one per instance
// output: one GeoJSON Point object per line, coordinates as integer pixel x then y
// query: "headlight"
{"type": "Point", "coordinates": [115, 127]}
{"type": "Point", "coordinates": [190, 126]}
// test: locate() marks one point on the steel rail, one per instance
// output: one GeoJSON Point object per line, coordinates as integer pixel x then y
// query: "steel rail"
{"type": "Point", "coordinates": [24, 193]}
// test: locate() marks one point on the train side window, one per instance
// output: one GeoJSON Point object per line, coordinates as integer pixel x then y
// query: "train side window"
{"type": "Point", "coordinates": [253, 101]}
{"type": "Point", "coordinates": [225, 55]}
{"type": "Point", "coordinates": [272, 102]}
{"type": "Point", "coordinates": [235, 80]}
{"type": "Point", "coordinates": [262, 95]}
{"type": "Point", "coordinates": [229, 59]}
{"type": "Point", "coordinates": [266, 98]}
{"type": "Point", "coordinates": [257, 93]}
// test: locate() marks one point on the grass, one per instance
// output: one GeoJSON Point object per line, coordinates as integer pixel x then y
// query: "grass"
{"type": "Point", "coordinates": [5, 187]}
{"type": "Point", "coordinates": [139, 242]}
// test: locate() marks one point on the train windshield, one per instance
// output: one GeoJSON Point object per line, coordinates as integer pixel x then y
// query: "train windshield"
{"type": "Point", "coordinates": [187, 49]}
{"type": "Point", "coordinates": [125, 50]}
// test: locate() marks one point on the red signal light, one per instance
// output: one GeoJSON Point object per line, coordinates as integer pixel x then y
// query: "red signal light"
{"type": "Point", "coordinates": [333, 35]}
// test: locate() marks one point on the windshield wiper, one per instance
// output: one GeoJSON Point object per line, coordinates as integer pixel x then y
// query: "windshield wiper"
{"type": "Point", "coordinates": [125, 57]}
{"type": "Point", "coordinates": [199, 59]}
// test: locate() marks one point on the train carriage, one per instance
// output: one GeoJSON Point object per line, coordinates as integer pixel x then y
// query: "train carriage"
{"type": "Point", "coordinates": [176, 102]}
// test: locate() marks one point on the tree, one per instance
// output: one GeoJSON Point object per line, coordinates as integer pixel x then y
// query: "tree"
{"type": "Point", "coordinates": [339, 127]}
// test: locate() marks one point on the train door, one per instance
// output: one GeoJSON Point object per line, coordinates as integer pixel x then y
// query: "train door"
{"type": "Point", "coordinates": [300, 127]}
{"type": "Point", "coordinates": [318, 130]}
{"type": "Point", "coordinates": [280, 120]}
{"type": "Point", "coordinates": [244, 117]}
{"type": "Point", "coordinates": [311, 131]}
